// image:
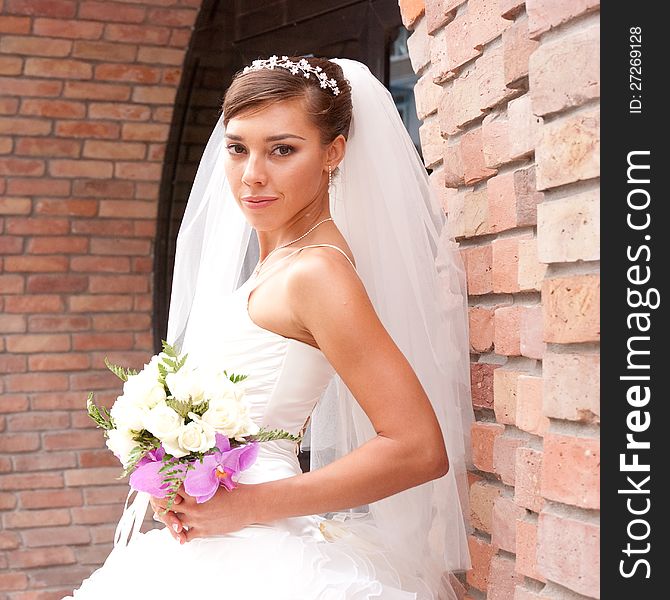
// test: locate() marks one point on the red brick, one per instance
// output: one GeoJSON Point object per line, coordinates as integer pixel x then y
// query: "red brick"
{"type": "Point", "coordinates": [15, 206]}
{"type": "Point", "coordinates": [58, 245]}
{"type": "Point", "coordinates": [50, 498]}
{"type": "Point", "coordinates": [44, 461]}
{"type": "Point", "coordinates": [32, 226]}
{"type": "Point", "coordinates": [105, 12]}
{"type": "Point", "coordinates": [527, 479]}
{"type": "Point", "coordinates": [7, 502]}
{"type": "Point", "coordinates": [85, 129]}
{"type": "Point", "coordinates": [19, 442]}
{"type": "Point", "coordinates": [457, 106]}
{"type": "Point", "coordinates": [156, 94]}
{"type": "Point", "coordinates": [138, 34]}
{"type": "Point", "coordinates": [571, 470]}
{"type": "Point", "coordinates": [571, 309]}
{"type": "Point", "coordinates": [14, 24]}
{"type": "Point", "coordinates": [96, 458]}
{"type": "Point", "coordinates": [59, 362]}
{"type": "Point", "coordinates": [17, 126]}
{"type": "Point", "coordinates": [481, 329]}
{"type": "Point", "coordinates": [8, 540]}
{"type": "Point", "coordinates": [10, 65]}
{"type": "Point", "coordinates": [481, 380]}
{"type": "Point", "coordinates": [13, 581]}
{"type": "Point", "coordinates": [102, 341]}
{"type": "Point", "coordinates": [504, 457]}
{"type": "Point", "coordinates": [526, 549]}
{"type": "Point", "coordinates": [452, 161]}
{"type": "Point", "coordinates": [483, 494]}
{"type": "Point", "coordinates": [186, 17]}
{"type": "Point", "coordinates": [118, 283]}
{"type": "Point", "coordinates": [483, 441]}
{"type": "Point", "coordinates": [42, 8]}
{"type": "Point", "coordinates": [103, 380]}
{"type": "Point", "coordinates": [57, 401]}
{"type": "Point", "coordinates": [71, 535]}
{"type": "Point", "coordinates": [100, 303]}
{"type": "Point", "coordinates": [568, 552]}
{"type": "Point", "coordinates": [526, 128]}
{"type": "Point", "coordinates": [410, 10]}
{"type": "Point", "coordinates": [33, 304]}
{"type": "Point", "coordinates": [29, 383]}
{"type": "Point", "coordinates": [559, 163]}
{"type": "Point", "coordinates": [517, 50]}
{"type": "Point", "coordinates": [107, 494]}
{"type": "Point", "coordinates": [96, 91]}
{"type": "Point", "coordinates": [481, 553]}
{"type": "Point", "coordinates": [485, 22]}
{"type": "Point", "coordinates": [36, 264]}
{"type": "Point", "coordinates": [144, 132]}
{"type": "Point", "coordinates": [80, 168]}
{"type": "Point", "coordinates": [145, 229]}
{"type": "Point", "coordinates": [496, 139]}
{"type": "Point", "coordinates": [460, 45]}
{"type": "Point", "coordinates": [37, 323]}
{"type": "Point", "coordinates": [126, 73]}
{"type": "Point", "coordinates": [58, 68]}
{"type": "Point", "coordinates": [46, 147]}
{"type": "Point", "coordinates": [490, 73]}
{"type": "Point", "coordinates": [513, 199]}
{"type": "Point", "coordinates": [30, 482]}
{"type": "Point", "coordinates": [75, 29]}
{"type": "Point", "coordinates": [473, 157]}
{"type": "Point", "coordinates": [43, 186]}
{"type": "Point", "coordinates": [14, 403]}
{"type": "Point", "coordinates": [529, 416]}
{"type": "Point", "coordinates": [21, 166]}
{"type": "Point", "coordinates": [510, 9]}
{"type": "Point", "coordinates": [89, 515]}
{"type": "Point", "coordinates": [507, 336]}
{"type": "Point", "coordinates": [11, 284]}
{"type": "Point", "coordinates": [138, 171]}
{"type": "Point", "coordinates": [36, 518]}
{"type": "Point", "coordinates": [13, 364]}
{"type": "Point", "coordinates": [502, 578]}
{"type": "Point", "coordinates": [71, 440]}
{"type": "Point", "coordinates": [35, 421]}
{"type": "Point", "coordinates": [57, 283]}
{"type": "Point", "coordinates": [477, 261]}
{"type": "Point", "coordinates": [97, 476]}
{"type": "Point", "coordinates": [544, 15]}
{"type": "Point", "coordinates": [11, 245]}
{"type": "Point", "coordinates": [38, 343]}
{"type": "Point", "coordinates": [12, 323]}
{"type": "Point", "coordinates": [42, 557]}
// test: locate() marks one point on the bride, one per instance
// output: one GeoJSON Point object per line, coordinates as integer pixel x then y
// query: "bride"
{"type": "Point", "coordinates": [352, 329]}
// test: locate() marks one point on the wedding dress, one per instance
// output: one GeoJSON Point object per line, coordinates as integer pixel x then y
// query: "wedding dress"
{"type": "Point", "coordinates": [298, 558]}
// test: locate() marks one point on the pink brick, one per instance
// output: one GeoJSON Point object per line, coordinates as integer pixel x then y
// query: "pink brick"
{"type": "Point", "coordinates": [460, 44]}
{"type": "Point", "coordinates": [532, 343]}
{"type": "Point", "coordinates": [569, 553]}
{"type": "Point", "coordinates": [481, 553]}
{"type": "Point", "coordinates": [504, 395]}
{"type": "Point", "coordinates": [572, 386]}
{"type": "Point", "coordinates": [531, 269]}
{"type": "Point", "coordinates": [496, 139]}
{"type": "Point", "coordinates": [457, 107]}
{"type": "Point", "coordinates": [439, 12]}
{"type": "Point", "coordinates": [505, 515]}
{"type": "Point", "coordinates": [529, 416]}
{"type": "Point", "coordinates": [517, 49]}
{"type": "Point", "coordinates": [559, 163]}
{"type": "Point", "coordinates": [504, 457]}
{"type": "Point", "coordinates": [481, 380]}
{"type": "Point", "coordinates": [477, 262]}
{"type": "Point", "coordinates": [513, 199]}
{"type": "Point", "coordinates": [526, 128]}
{"type": "Point", "coordinates": [528, 473]}
{"type": "Point", "coordinates": [483, 495]}
{"type": "Point", "coordinates": [544, 15]}
{"type": "Point", "coordinates": [506, 263]}
{"type": "Point", "coordinates": [481, 329]}
{"type": "Point", "coordinates": [571, 309]}
{"type": "Point", "coordinates": [432, 143]}
{"type": "Point", "coordinates": [410, 10]}
{"type": "Point", "coordinates": [418, 46]}
{"type": "Point", "coordinates": [507, 340]}
{"type": "Point", "coordinates": [502, 578]}
{"type": "Point", "coordinates": [571, 470]}
{"type": "Point", "coordinates": [472, 151]}
{"type": "Point", "coordinates": [483, 440]}
{"type": "Point", "coordinates": [526, 549]}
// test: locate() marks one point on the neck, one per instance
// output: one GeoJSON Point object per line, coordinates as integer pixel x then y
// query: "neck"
{"type": "Point", "coordinates": [269, 241]}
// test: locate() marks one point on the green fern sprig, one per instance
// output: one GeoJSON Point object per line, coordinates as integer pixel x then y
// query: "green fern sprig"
{"type": "Point", "coordinates": [120, 372]}
{"type": "Point", "coordinates": [174, 473]}
{"type": "Point", "coordinates": [235, 378]}
{"type": "Point", "coordinates": [100, 415]}
{"type": "Point", "coordinates": [267, 435]}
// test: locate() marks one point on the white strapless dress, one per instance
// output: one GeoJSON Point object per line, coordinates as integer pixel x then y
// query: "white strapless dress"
{"type": "Point", "coordinates": [299, 558]}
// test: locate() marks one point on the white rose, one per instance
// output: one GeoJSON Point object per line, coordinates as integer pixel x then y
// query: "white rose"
{"type": "Point", "coordinates": [229, 417]}
{"type": "Point", "coordinates": [128, 415]}
{"type": "Point", "coordinates": [185, 385]}
{"type": "Point", "coordinates": [121, 443]}
{"type": "Point", "coordinates": [196, 436]}
{"type": "Point", "coordinates": [144, 389]}
{"type": "Point", "coordinates": [171, 446]}
{"type": "Point", "coordinates": [163, 422]}
{"type": "Point", "coordinates": [218, 386]}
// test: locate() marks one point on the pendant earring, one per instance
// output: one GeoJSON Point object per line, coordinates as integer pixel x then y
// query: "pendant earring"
{"type": "Point", "coordinates": [330, 177]}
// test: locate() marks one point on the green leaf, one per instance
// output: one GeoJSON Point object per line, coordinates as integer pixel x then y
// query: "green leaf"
{"type": "Point", "coordinates": [268, 435]}
{"type": "Point", "coordinates": [102, 419]}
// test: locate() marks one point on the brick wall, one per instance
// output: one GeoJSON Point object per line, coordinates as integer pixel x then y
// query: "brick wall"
{"type": "Point", "coordinates": [509, 98]}
{"type": "Point", "coordinates": [86, 98]}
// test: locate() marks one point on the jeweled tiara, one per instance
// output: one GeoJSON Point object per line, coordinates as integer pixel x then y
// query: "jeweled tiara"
{"type": "Point", "coordinates": [302, 65]}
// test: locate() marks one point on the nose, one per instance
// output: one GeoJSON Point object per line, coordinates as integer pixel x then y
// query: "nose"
{"type": "Point", "coordinates": [255, 173]}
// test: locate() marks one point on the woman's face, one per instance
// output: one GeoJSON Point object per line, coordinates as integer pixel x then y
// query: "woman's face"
{"type": "Point", "coordinates": [276, 153]}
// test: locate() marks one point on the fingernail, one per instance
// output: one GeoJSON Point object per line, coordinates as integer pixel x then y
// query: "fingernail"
{"type": "Point", "coordinates": [175, 527]}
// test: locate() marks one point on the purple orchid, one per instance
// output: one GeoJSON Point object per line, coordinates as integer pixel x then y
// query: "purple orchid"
{"type": "Point", "coordinates": [219, 468]}
{"type": "Point", "coordinates": [146, 476]}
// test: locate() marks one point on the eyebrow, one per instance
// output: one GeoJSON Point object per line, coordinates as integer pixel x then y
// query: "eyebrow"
{"type": "Point", "coordinates": [272, 138]}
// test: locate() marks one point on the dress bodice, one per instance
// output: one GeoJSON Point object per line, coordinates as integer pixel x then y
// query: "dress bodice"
{"type": "Point", "coordinates": [285, 376]}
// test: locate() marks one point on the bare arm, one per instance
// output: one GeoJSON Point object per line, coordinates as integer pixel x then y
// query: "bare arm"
{"type": "Point", "coordinates": [329, 300]}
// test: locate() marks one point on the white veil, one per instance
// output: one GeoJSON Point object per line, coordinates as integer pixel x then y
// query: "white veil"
{"type": "Point", "coordinates": [384, 205]}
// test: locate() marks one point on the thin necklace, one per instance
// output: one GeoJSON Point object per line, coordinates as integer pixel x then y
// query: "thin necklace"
{"type": "Point", "coordinates": [260, 264]}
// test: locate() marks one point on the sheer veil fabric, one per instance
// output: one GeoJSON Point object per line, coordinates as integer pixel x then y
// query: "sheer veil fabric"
{"type": "Point", "coordinates": [382, 202]}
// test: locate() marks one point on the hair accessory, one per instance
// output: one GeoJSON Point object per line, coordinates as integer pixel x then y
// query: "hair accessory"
{"type": "Point", "coordinates": [302, 65]}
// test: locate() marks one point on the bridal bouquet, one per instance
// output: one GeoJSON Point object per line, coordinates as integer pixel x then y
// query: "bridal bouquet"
{"type": "Point", "coordinates": [179, 425]}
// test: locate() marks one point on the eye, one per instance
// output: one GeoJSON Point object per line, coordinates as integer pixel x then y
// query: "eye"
{"type": "Point", "coordinates": [286, 147]}
{"type": "Point", "coordinates": [230, 146]}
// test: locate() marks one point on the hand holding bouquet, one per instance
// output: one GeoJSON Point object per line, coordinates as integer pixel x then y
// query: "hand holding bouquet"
{"type": "Point", "coordinates": [179, 425]}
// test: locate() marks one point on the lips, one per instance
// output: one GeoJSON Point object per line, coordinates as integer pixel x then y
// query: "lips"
{"type": "Point", "coordinates": [258, 201]}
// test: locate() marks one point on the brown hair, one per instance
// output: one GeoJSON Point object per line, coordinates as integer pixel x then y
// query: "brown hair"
{"type": "Point", "coordinates": [255, 90]}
